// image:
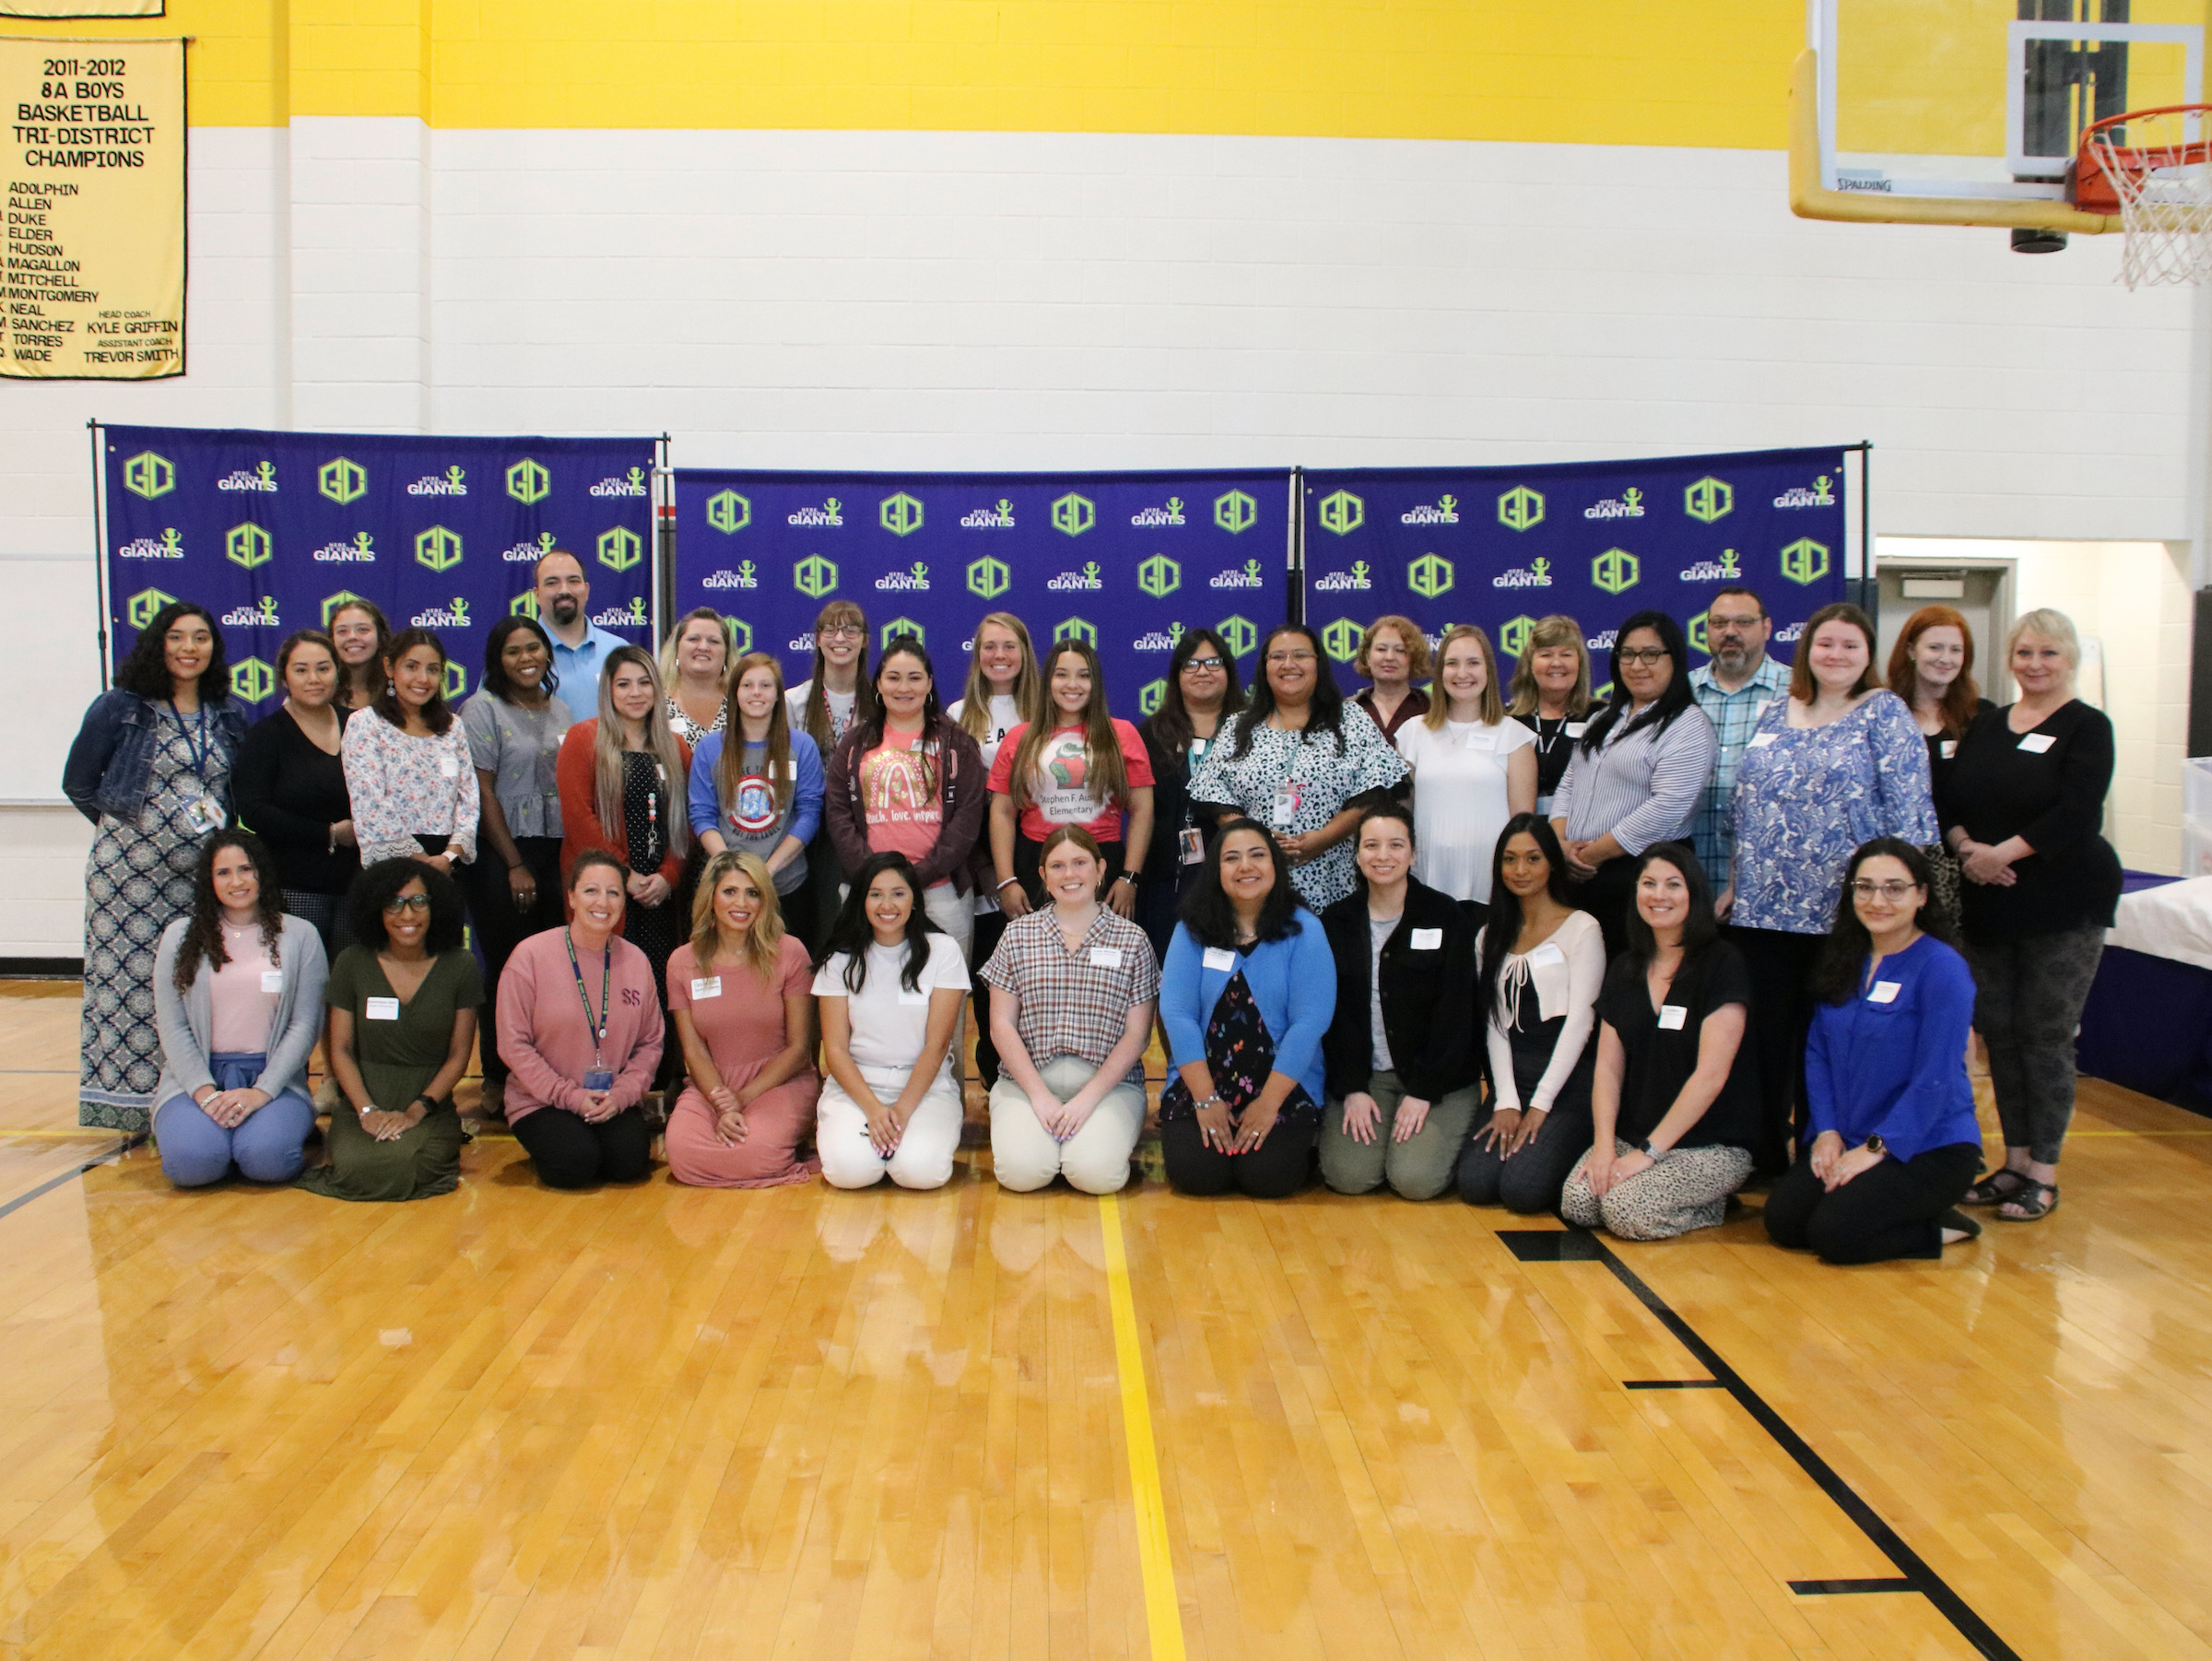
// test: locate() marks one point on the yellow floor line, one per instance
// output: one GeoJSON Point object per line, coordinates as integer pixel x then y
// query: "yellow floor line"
{"type": "Point", "coordinates": [1163, 1616]}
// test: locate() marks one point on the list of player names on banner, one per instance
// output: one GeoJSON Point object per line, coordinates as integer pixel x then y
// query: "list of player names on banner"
{"type": "Point", "coordinates": [94, 171]}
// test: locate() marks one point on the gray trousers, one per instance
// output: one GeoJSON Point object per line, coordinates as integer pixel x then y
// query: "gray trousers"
{"type": "Point", "coordinates": [1419, 1167]}
{"type": "Point", "coordinates": [2028, 998]}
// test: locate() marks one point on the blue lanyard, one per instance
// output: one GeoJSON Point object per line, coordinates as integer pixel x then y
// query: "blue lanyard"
{"type": "Point", "coordinates": [597, 1023]}
{"type": "Point", "coordinates": [199, 745]}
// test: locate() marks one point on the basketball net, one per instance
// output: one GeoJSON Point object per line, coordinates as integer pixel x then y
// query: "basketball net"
{"type": "Point", "coordinates": [2161, 179]}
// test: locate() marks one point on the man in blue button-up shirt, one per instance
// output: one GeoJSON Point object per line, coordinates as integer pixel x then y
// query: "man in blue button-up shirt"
{"type": "Point", "coordinates": [580, 648]}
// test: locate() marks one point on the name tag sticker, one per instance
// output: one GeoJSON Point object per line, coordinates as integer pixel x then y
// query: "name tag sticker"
{"type": "Point", "coordinates": [706, 987]}
{"type": "Point", "coordinates": [2035, 744]}
{"type": "Point", "coordinates": [1575, 729]}
{"type": "Point", "coordinates": [272, 980]}
{"type": "Point", "coordinates": [1105, 957]}
{"type": "Point", "coordinates": [382, 1008]}
{"type": "Point", "coordinates": [1221, 957]}
{"type": "Point", "coordinates": [912, 1000]}
{"type": "Point", "coordinates": [1884, 991]}
{"type": "Point", "coordinates": [1428, 939]}
{"type": "Point", "coordinates": [1760, 740]}
{"type": "Point", "coordinates": [1546, 953]}
{"type": "Point", "coordinates": [1482, 741]}
{"type": "Point", "coordinates": [1948, 749]}
{"type": "Point", "coordinates": [449, 767]}
{"type": "Point", "coordinates": [1673, 1017]}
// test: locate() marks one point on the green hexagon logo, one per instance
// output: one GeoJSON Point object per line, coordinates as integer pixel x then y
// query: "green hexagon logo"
{"type": "Point", "coordinates": [1075, 627]}
{"type": "Point", "coordinates": [1160, 576]}
{"type": "Point", "coordinates": [438, 547]}
{"type": "Point", "coordinates": [523, 604]}
{"type": "Point", "coordinates": [1150, 696]}
{"type": "Point", "coordinates": [456, 681]}
{"type": "Point", "coordinates": [814, 576]}
{"type": "Point", "coordinates": [988, 578]}
{"type": "Point", "coordinates": [1235, 512]}
{"type": "Point", "coordinates": [149, 475]}
{"type": "Point", "coordinates": [142, 607]}
{"type": "Point", "coordinates": [1707, 500]}
{"type": "Point", "coordinates": [253, 679]}
{"type": "Point", "coordinates": [620, 549]}
{"type": "Point", "coordinates": [528, 482]}
{"type": "Point", "coordinates": [1429, 576]}
{"type": "Point", "coordinates": [1696, 631]}
{"type": "Point", "coordinates": [900, 515]}
{"type": "Point", "coordinates": [1074, 515]}
{"type": "Point", "coordinates": [729, 513]}
{"type": "Point", "coordinates": [1804, 560]}
{"type": "Point", "coordinates": [1239, 635]}
{"type": "Point", "coordinates": [1521, 509]}
{"type": "Point", "coordinates": [342, 480]}
{"type": "Point", "coordinates": [1601, 695]}
{"type": "Point", "coordinates": [1342, 513]}
{"type": "Point", "coordinates": [740, 634]}
{"type": "Point", "coordinates": [331, 602]}
{"type": "Point", "coordinates": [1512, 637]}
{"type": "Point", "coordinates": [1341, 639]}
{"type": "Point", "coordinates": [1616, 571]}
{"type": "Point", "coordinates": [246, 545]}
{"type": "Point", "coordinates": [898, 626]}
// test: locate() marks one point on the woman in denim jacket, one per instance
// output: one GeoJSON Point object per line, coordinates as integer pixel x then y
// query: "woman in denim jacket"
{"type": "Point", "coordinates": [151, 768]}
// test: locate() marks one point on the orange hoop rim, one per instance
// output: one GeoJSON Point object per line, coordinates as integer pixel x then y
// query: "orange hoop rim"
{"type": "Point", "coordinates": [2094, 144]}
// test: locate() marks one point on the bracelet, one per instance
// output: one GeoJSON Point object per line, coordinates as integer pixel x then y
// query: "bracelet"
{"type": "Point", "coordinates": [1123, 876]}
{"type": "Point", "coordinates": [1005, 882]}
{"type": "Point", "coordinates": [1212, 1100]}
{"type": "Point", "coordinates": [429, 1104]}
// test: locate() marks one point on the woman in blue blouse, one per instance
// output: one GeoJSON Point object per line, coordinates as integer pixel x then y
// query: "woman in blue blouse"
{"type": "Point", "coordinates": [1894, 1142]}
{"type": "Point", "coordinates": [1837, 763]}
{"type": "Point", "coordinates": [1246, 996]}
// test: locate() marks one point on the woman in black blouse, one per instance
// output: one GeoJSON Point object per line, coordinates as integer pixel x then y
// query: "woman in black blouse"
{"type": "Point", "coordinates": [1550, 696]}
{"type": "Point", "coordinates": [1676, 1099]}
{"type": "Point", "coordinates": [2022, 806]}
{"type": "Point", "coordinates": [290, 788]}
{"type": "Point", "coordinates": [1932, 669]}
{"type": "Point", "coordinates": [1200, 693]}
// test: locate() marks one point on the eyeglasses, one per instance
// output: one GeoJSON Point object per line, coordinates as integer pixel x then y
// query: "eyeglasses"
{"type": "Point", "coordinates": [1208, 662]}
{"type": "Point", "coordinates": [842, 631]}
{"type": "Point", "coordinates": [406, 902]}
{"type": "Point", "coordinates": [1892, 892]}
{"type": "Point", "coordinates": [1289, 657]}
{"type": "Point", "coordinates": [1728, 625]}
{"type": "Point", "coordinates": [1644, 655]}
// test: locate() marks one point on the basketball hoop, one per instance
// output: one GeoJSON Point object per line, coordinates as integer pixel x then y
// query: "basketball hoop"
{"type": "Point", "coordinates": [2154, 168]}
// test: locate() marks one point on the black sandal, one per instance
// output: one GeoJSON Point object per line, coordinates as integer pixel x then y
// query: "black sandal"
{"type": "Point", "coordinates": [1987, 1193]}
{"type": "Point", "coordinates": [2030, 1204]}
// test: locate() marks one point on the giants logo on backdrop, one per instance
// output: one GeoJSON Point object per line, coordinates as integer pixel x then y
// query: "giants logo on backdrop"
{"type": "Point", "coordinates": [1342, 513]}
{"type": "Point", "coordinates": [148, 476]}
{"type": "Point", "coordinates": [260, 615]}
{"type": "Point", "coordinates": [745, 576]}
{"type": "Point", "coordinates": [1151, 518]}
{"type": "Point", "coordinates": [1728, 568]}
{"type": "Point", "coordinates": [359, 552]}
{"type": "Point", "coordinates": [1603, 642]}
{"type": "Point", "coordinates": [1820, 495]}
{"type": "Point", "coordinates": [1234, 511]}
{"type": "Point", "coordinates": [729, 513]}
{"type": "Point", "coordinates": [1707, 500]}
{"type": "Point", "coordinates": [1790, 636]}
{"type": "Point", "coordinates": [1360, 579]}
{"type": "Point", "coordinates": [1628, 504]}
{"type": "Point", "coordinates": [454, 483]}
{"type": "Point", "coordinates": [262, 479]}
{"type": "Point", "coordinates": [1247, 578]}
{"type": "Point", "coordinates": [529, 553]}
{"type": "Point", "coordinates": [342, 481]}
{"type": "Point", "coordinates": [1537, 573]}
{"type": "Point", "coordinates": [631, 484]}
{"type": "Point", "coordinates": [1072, 580]}
{"type": "Point", "coordinates": [830, 513]}
{"type": "Point", "coordinates": [999, 517]}
{"type": "Point", "coordinates": [915, 580]}
{"type": "Point", "coordinates": [1159, 640]}
{"type": "Point", "coordinates": [628, 617]}
{"type": "Point", "coordinates": [453, 615]}
{"type": "Point", "coordinates": [168, 546]}
{"type": "Point", "coordinates": [1521, 509]}
{"type": "Point", "coordinates": [247, 546]}
{"type": "Point", "coordinates": [1444, 512]}
{"type": "Point", "coordinates": [1160, 576]}
{"type": "Point", "coordinates": [900, 514]}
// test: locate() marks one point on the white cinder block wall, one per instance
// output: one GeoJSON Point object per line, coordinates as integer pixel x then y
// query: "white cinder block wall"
{"type": "Point", "coordinates": [949, 299]}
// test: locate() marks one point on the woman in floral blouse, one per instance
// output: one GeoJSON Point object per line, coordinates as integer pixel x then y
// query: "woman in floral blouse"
{"type": "Point", "coordinates": [408, 772]}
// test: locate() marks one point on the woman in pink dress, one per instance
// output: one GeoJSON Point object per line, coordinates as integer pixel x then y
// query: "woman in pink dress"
{"type": "Point", "coordinates": [740, 993]}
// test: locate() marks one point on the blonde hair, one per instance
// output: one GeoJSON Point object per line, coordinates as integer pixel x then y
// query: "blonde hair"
{"type": "Point", "coordinates": [1029, 684]}
{"type": "Point", "coordinates": [1417, 645]}
{"type": "Point", "coordinates": [670, 671]}
{"type": "Point", "coordinates": [1488, 701]}
{"type": "Point", "coordinates": [660, 744]}
{"type": "Point", "coordinates": [730, 768]}
{"type": "Point", "coordinates": [763, 941]}
{"type": "Point", "coordinates": [1557, 630]}
{"type": "Point", "coordinates": [2053, 626]}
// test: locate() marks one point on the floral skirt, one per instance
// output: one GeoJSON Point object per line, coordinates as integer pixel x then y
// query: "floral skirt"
{"type": "Point", "coordinates": [1240, 1053]}
{"type": "Point", "coordinates": [135, 883]}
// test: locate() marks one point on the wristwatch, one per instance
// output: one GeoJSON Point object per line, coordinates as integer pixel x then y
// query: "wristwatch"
{"type": "Point", "coordinates": [1875, 1143]}
{"type": "Point", "coordinates": [1650, 1153]}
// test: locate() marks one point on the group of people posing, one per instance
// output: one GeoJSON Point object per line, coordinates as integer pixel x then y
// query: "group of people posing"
{"type": "Point", "coordinates": [1614, 956]}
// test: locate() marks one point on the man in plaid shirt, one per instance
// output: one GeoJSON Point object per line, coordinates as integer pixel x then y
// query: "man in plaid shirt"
{"type": "Point", "coordinates": [1733, 691]}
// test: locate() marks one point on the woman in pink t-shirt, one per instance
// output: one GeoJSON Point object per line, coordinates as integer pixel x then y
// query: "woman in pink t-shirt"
{"type": "Point", "coordinates": [741, 994]}
{"type": "Point", "coordinates": [1085, 768]}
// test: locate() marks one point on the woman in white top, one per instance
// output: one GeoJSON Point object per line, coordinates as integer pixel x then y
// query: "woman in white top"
{"type": "Point", "coordinates": [695, 667]}
{"type": "Point", "coordinates": [408, 772]}
{"type": "Point", "coordinates": [1472, 769]}
{"type": "Point", "coordinates": [1541, 965]}
{"type": "Point", "coordinates": [889, 988]}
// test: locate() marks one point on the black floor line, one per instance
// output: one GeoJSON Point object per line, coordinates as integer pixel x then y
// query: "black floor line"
{"type": "Point", "coordinates": [1580, 1246]}
{"type": "Point", "coordinates": [1672, 1383]}
{"type": "Point", "coordinates": [52, 1182]}
{"type": "Point", "coordinates": [1831, 1588]}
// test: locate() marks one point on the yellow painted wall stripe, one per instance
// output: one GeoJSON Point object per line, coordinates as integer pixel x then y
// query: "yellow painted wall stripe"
{"type": "Point", "coordinates": [1163, 1616]}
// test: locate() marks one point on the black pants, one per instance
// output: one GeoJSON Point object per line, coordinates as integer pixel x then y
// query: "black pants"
{"type": "Point", "coordinates": [989, 927]}
{"type": "Point", "coordinates": [1887, 1212]}
{"type": "Point", "coordinates": [1607, 897]}
{"type": "Point", "coordinates": [1277, 1167]}
{"type": "Point", "coordinates": [1530, 1182]}
{"type": "Point", "coordinates": [1781, 967]}
{"type": "Point", "coordinates": [500, 927]}
{"type": "Point", "coordinates": [571, 1152]}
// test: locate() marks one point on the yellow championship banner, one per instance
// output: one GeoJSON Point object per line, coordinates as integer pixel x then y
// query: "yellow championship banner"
{"type": "Point", "coordinates": [94, 170]}
{"type": "Point", "coordinates": [81, 9]}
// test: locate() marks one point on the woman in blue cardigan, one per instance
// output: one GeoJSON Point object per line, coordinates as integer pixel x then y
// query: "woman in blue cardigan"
{"type": "Point", "coordinates": [1894, 1146]}
{"type": "Point", "coordinates": [1246, 996]}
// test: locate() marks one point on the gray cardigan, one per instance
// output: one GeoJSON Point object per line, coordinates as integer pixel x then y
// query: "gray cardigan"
{"type": "Point", "coordinates": [185, 1019]}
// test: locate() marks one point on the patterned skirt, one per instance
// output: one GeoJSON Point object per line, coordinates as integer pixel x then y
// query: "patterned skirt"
{"type": "Point", "coordinates": [1239, 1052]}
{"type": "Point", "coordinates": [135, 883]}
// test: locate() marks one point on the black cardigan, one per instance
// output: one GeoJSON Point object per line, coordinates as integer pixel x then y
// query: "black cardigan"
{"type": "Point", "coordinates": [1428, 996]}
{"type": "Point", "coordinates": [289, 792]}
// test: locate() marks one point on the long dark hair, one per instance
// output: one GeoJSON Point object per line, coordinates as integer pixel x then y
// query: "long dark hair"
{"type": "Point", "coordinates": [814, 715]}
{"type": "Point", "coordinates": [1836, 979]}
{"type": "Point", "coordinates": [204, 933]}
{"type": "Point", "coordinates": [435, 715]}
{"type": "Point", "coordinates": [853, 933]}
{"type": "Point", "coordinates": [1502, 926]}
{"type": "Point", "coordinates": [1170, 723]}
{"type": "Point", "coordinates": [381, 880]}
{"type": "Point", "coordinates": [1324, 710]}
{"type": "Point", "coordinates": [1701, 930]}
{"type": "Point", "coordinates": [146, 670]}
{"type": "Point", "coordinates": [368, 676]}
{"type": "Point", "coordinates": [1207, 911]}
{"type": "Point", "coordinates": [495, 679]}
{"type": "Point", "coordinates": [869, 721]}
{"type": "Point", "coordinates": [1106, 771]}
{"type": "Point", "coordinates": [1667, 705]}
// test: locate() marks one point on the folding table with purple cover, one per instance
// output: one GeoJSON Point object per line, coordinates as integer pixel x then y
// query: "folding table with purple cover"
{"type": "Point", "coordinates": [2148, 1025]}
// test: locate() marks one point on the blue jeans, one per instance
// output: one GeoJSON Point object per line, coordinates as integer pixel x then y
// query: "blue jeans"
{"type": "Point", "coordinates": [266, 1148]}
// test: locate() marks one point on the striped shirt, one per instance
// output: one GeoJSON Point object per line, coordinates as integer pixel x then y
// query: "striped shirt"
{"type": "Point", "coordinates": [1644, 787]}
{"type": "Point", "coordinates": [1734, 716]}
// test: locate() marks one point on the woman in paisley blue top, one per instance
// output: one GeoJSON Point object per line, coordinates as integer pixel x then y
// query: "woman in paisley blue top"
{"type": "Point", "coordinates": [1834, 765]}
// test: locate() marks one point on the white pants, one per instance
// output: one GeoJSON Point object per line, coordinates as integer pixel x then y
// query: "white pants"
{"type": "Point", "coordinates": [923, 1157]}
{"type": "Point", "coordinates": [1095, 1158]}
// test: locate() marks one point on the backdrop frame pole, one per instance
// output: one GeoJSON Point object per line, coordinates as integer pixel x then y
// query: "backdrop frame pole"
{"type": "Point", "coordinates": [663, 539]}
{"type": "Point", "coordinates": [1869, 586]}
{"type": "Point", "coordinates": [1294, 585]}
{"type": "Point", "coordinates": [100, 549]}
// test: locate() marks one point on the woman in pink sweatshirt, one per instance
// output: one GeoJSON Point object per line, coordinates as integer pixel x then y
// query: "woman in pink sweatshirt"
{"type": "Point", "coordinates": [580, 1026]}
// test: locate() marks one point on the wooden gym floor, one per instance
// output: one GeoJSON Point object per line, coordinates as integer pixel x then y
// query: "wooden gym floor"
{"type": "Point", "coordinates": [798, 1423]}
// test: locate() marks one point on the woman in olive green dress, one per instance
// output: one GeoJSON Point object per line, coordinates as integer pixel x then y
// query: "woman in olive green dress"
{"type": "Point", "coordinates": [403, 1018]}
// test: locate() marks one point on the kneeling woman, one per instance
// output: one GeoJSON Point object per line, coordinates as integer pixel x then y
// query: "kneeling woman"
{"type": "Point", "coordinates": [403, 1000]}
{"type": "Point", "coordinates": [1246, 1000]}
{"type": "Point", "coordinates": [739, 994]}
{"type": "Point", "coordinates": [889, 990]}
{"type": "Point", "coordinates": [1401, 1061]}
{"type": "Point", "coordinates": [1894, 1144]}
{"type": "Point", "coordinates": [1675, 1103]}
{"type": "Point", "coordinates": [238, 1000]}
{"type": "Point", "coordinates": [581, 1056]}
{"type": "Point", "coordinates": [1073, 987]}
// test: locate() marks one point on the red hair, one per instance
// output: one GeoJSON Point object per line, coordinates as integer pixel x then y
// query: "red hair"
{"type": "Point", "coordinates": [1959, 700]}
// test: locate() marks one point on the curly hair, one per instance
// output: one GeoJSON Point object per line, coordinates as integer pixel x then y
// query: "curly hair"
{"type": "Point", "coordinates": [381, 881]}
{"type": "Point", "coordinates": [146, 670]}
{"type": "Point", "coordinates": [204, 931]}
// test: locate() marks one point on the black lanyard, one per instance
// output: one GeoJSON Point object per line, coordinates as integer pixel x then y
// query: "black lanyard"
{"type": "Point", "coordinates": [198, 745]}
{"type": "Point", "coordinates": [597, 1023]}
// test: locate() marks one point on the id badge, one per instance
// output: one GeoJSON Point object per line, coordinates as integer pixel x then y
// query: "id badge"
{"type": "Point", "coordinates": [599, 1079]}
{"type": "Point", "coordinates": [1283, 810]}
{"type": "Point", "coordinates": [203, 816]}
{"type": "Point", "coordinates": [1192, 844]}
